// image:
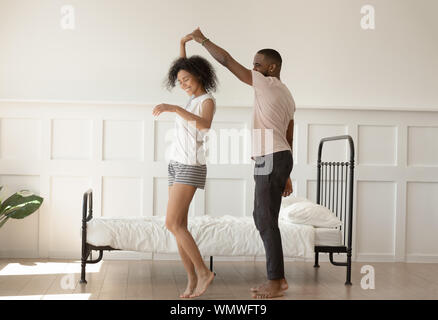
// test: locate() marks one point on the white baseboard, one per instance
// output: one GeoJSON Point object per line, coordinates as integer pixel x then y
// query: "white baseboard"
{"type": "Point", "coordinates": [422, 258]}
{"type": "Point", "coordinates": [67, 255]}
{"type": "Point", "coordinates": [410, 258]}
{"type": "Point", "coordinates": [19, 254]}
{"type": "Point", "coordinates": [233, 258]}
{"type": "Point", "coordinates": [124, 255]}
{"type": "Point", "coordinates": [377, 257]}
{"type": "Point", "coordinates": [133, 255]}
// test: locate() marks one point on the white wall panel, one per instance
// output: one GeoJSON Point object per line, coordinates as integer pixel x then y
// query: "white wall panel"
{"type": "Point", "coordinates": [161, 196]}
{"type": "Point", "coordinates": [422, 219]}
{"type": "Point", "coordinates": [377, 145]}
{"type": "Point", "coordinates": [336, 150]}
{"type": "Point", "coordinates": [311, 190]}
{"type": "Point", "coordinates": [66, 214]}
{"type": "Point", "coordinates": [295, 142]}
{"type": "Point", "coordinates": [375, 217]}
{"type": "Point", "coordinates": [422, 146]}
{"type": "Point", "coordinates": [20, 138]}
{"type": "Point", "coordinates": [295, 189]}
{"type": "Point", "coordinates": [228, 143]}
{"type": "Point", "coordinates": [71, 139]}
{"type": "Point", "coordinates": [164, 134]}
{"type": "Point", "coordinates": [225, 197]}
{"type": "Point", "coordinates": [123, 140]}
{"type": "Point", "coordinates": [122, 197]}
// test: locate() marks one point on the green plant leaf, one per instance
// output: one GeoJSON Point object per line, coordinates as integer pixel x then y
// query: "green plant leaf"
{"type": "Point", "coordinates": [20, 205]}
{"type": "Point", "coordinates": [1, 187]}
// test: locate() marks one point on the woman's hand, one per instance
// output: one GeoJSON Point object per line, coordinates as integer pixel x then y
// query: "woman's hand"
{"type": "Point", "coordinates": [197, 35]}
{"type": "Point", "coordinates": [163, 107]}
{"type": "Point", "coordinates": [288, 188]}
{"type": "Point", "coordinates": [186, 38]}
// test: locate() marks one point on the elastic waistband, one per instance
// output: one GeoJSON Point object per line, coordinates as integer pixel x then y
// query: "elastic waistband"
{"type": "Point", "coordinates": [275, 154]}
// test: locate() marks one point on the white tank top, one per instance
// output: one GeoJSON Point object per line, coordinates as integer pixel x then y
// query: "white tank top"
{"type": "Point", "coordinates": [188, 143]}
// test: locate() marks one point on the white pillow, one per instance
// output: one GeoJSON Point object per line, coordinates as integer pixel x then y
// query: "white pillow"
{"type": "Point", "coordinates": [287, 201]}
{"type": "Point", "coordinates": [309, 213]}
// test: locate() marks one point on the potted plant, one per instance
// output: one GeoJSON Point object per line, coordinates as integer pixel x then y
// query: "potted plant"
{"type": "Point", "coordinates": [19, 205]}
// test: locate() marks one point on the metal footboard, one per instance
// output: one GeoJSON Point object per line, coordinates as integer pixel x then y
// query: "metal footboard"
{"type": "Point", "coordinates": [87, 203]}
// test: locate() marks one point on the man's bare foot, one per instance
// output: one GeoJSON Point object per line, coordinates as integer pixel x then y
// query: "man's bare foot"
{"type": "Point", "coordinates": [191, 285]}
{"type": "Point", "coordinates": [203, 283]}
{"type": "Point", "coordinates": [272, 289]}
{"type": "Point", "coordinates": [267, 294]}
{"type": "Point", "coordinates": [284, 286]}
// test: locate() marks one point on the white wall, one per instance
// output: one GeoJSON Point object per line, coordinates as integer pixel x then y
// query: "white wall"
{"type": "Point", "coordinates": [59, 150]}
{"type": "Point", "coordinates": [121, 50]}
{"type": "Point", "coordinates": [71, 99]}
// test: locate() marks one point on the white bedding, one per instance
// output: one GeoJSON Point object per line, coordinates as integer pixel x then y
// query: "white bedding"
{"type": "Point", "coordinates": [215, 236]}
{"type": "Point", "coordinates": [328, 237]}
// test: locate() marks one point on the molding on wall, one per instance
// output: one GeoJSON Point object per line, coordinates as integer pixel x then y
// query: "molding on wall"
{"type": "Point", "coordinates": [298, 107]}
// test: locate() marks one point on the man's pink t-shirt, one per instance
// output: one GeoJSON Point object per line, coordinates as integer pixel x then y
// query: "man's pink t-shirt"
{"type": "Point", "coordinates": [274, 107]}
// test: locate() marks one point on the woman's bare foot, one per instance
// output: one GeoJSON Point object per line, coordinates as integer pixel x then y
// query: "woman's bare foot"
{"type": "Point", "coordinates": [284, 286]}
{"type": "Point", "coordinates": [203, 283]}
{"type": "Point", "coordinates": [191, 285]}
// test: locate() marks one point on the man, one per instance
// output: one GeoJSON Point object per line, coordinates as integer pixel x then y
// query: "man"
{"type": "Point", "coordinates": [274, 108]}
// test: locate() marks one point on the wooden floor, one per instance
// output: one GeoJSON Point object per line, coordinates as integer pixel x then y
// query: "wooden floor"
{"type": "Point", "coordinates": [59, 279]}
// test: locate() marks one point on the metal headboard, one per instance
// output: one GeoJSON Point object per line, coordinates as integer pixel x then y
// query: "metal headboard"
{"type": "Point", "coordinates": [334, 190]}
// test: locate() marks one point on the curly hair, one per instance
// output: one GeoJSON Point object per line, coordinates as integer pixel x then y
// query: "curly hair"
{"type": "Point", "coordinates": [198, 67]}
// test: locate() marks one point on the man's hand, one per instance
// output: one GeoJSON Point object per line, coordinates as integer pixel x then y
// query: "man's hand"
{"type": "Point", "coordinates": [163, 107]}
{"type": "Point", "coordinates": [197, 35]}
{"type": "Point", "coordinates": [288, 188]}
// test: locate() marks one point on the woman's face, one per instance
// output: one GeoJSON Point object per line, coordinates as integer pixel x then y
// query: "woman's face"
{"type": "Point", "coordinates": [188, 82]}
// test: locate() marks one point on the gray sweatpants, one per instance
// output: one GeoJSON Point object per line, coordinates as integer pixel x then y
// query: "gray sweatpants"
{"type": "Point", "coordinates": [270, 174]}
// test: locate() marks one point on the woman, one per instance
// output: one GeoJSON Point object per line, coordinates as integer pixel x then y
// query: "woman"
{"type": "Point", "coordinates": [187, 169]}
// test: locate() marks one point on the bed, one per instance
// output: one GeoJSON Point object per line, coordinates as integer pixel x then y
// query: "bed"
{"type": "Point", "coordinates": [238, 236]}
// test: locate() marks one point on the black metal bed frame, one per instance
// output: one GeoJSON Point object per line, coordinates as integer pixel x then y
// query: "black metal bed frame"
{"type": "Point", "coordinates": [87, 203]}
{"type": "Point", "coordinates": [341, 204]}
{"type": "Point", "coordinates": [340, 208]}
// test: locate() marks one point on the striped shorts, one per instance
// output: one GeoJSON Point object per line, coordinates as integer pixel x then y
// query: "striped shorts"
{"type": "Point", "coordinates": [187, 174]}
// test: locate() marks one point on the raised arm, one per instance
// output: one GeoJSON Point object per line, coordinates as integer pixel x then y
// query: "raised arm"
{"type": "Point", "coordinates": [182, 47]}
{"type": "Point", "coordinates": [223, 57]}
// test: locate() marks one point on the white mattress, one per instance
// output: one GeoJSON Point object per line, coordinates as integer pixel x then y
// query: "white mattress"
{"type": "Point", "coordinates": [328, 237]}
{"type": "Point", "coordinates": [216, 236]}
